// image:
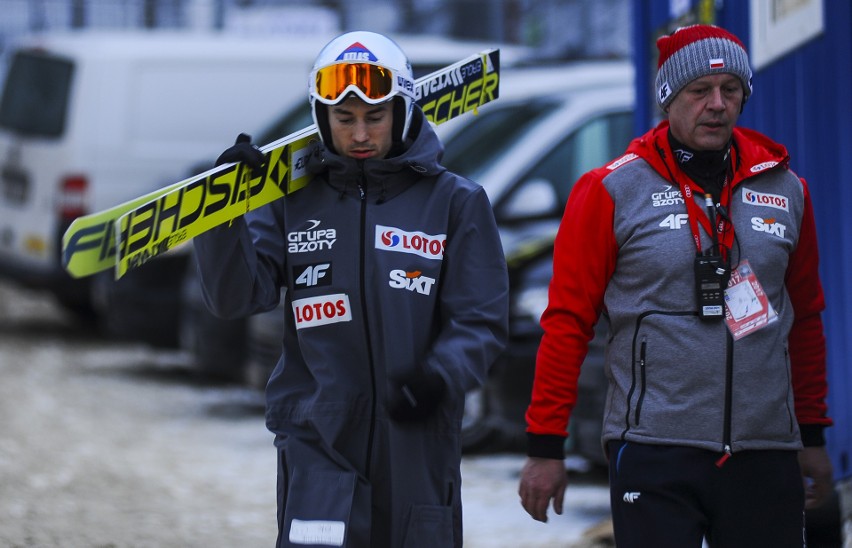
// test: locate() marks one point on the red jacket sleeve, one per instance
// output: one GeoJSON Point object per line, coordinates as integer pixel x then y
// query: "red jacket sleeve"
{"type": "Point", "coordinates": [583, 262]}
{"type": "Point", "coordinates": [806, 339]}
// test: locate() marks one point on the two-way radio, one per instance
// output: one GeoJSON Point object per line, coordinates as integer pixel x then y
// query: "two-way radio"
{"type": "Point", "coordinates": [711, 274]}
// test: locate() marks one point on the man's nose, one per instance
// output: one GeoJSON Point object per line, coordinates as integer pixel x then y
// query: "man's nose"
{"type": "Point", "coordinates": [360, 133]}
{"type": "Point", "coordinates": [716, 101]}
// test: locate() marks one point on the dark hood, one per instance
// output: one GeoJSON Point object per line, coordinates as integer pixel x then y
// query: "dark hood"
{"type": "Point", "coordinates": [382, 179]}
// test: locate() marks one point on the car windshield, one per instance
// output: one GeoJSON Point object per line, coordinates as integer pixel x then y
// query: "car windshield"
{"type": "Point", "coordinates": [474, 147]}
{"type": "Point", "coordinates": [35, 97]}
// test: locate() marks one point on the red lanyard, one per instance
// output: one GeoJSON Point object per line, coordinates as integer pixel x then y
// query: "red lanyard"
{"type": "Point", "coordinates": [723, 231]}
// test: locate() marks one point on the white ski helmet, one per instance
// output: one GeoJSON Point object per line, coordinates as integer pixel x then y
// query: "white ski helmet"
{"type": "Point", "coordinates": [371, 66]}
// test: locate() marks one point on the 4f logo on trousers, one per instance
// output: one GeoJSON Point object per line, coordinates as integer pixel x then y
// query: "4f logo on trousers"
{"type": "Point", "coordinates": [631, 496]}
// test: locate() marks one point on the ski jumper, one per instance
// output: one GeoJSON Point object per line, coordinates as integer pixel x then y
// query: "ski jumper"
{"type": "Point", "coordinates": [387, 265]}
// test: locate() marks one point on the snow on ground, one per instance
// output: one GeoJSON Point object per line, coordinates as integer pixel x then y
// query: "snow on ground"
{"type": "Point", "coordinates": [114, 445]}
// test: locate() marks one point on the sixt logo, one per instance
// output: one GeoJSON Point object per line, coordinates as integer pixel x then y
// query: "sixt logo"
{"type": "Point", "coordinates": [311, 239]}
{"type": "Point", "coordinates": [764, 199]}
{"type": "Point", "coordinates": [412, 281]}
{"type": "Point", "coordinates": [357, 52]}
{"type": "Point", "coordinates": [770, 226]}
{"type": "Point", "coordinates": [428, 246]}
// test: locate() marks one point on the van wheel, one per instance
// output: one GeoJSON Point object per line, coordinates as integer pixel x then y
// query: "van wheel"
{"type": "Point", "coordinates": [217, 348]}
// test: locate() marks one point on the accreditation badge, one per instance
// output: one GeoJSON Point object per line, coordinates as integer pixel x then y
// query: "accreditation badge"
{"type": "Point", "coordinates": [747, 307]}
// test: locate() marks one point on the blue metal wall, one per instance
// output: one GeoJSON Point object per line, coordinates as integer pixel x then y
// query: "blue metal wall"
{"type": "Point", "coordinates": [803, 100]}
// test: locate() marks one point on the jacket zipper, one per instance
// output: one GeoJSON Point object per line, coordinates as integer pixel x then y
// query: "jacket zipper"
{"type": "Point", "coordinates": [729, 388]}
{"type": "Point", "coordinates": [363, 289]}
{"type": "Point", "coordinates": [643, 348]}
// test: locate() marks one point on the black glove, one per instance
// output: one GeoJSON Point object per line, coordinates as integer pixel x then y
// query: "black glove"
{"type": "Point", "coordinates": [417, 396]}
{"type": "Point", "coordinates": [242, 151]}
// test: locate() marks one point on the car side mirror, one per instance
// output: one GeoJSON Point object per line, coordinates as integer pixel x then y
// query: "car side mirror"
{"type": "Point", "coordinates": [535, 198]}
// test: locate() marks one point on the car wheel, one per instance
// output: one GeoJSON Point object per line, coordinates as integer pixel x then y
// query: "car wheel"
{"type": "Point", "coordinates": [217, 347]}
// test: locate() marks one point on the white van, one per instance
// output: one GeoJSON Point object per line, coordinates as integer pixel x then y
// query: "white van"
{"type": "Point", "coordinates": [89, 120]}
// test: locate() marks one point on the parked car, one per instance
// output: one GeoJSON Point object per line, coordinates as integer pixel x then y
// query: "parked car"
{"type": "Point", "coordinates": [527, 149]}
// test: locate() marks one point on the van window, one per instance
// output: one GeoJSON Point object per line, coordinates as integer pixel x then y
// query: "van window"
{"type": "Point", "coordinates": [35, 96]}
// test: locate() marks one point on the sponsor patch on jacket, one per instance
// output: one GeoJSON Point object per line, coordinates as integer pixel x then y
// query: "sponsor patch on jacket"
{"type": "Point", "coordinates": [621, 161]}
{"type": "Point", "coordinates": [769, 226]}
{"type": "Point", "coordinates": [429, 246]}
{"type": "Point", "coordinates": [311, 275]}
{"type": "Point", "coordinates": [765, 199]}
{"type": "Point", "coordinates": [762, 167]}
{"type": "Point", "coordinates": [312, 238]}
{"type": "Point", "coordinates": [322, 310]}
{"type": "Point", "coordinates": [327, 532]}
{"type": "Point", "coordinates": [412, 281]}
{"type": "Point", "coordinates": [669, 196]}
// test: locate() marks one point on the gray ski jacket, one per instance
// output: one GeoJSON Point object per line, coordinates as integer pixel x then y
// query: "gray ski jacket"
{"type": "Point", "coordinates": [389, 265]}
{"type": "Point", "coordinates": [625, 249]}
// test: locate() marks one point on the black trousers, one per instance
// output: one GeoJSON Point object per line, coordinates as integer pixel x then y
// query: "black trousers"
{"type": "Point", "coordinates": [670, 496]}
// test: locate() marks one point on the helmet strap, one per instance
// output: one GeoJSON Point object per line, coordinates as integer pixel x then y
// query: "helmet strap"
{"type": "Point", "coordinates": [321, 115]}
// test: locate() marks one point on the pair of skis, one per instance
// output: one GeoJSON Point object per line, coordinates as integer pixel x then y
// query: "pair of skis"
{"type": "Point", "coordinates": [130, 234]}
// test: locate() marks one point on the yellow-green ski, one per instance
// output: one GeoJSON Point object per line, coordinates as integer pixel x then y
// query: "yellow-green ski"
{"type": "Point", "coordinates": [128, 235]}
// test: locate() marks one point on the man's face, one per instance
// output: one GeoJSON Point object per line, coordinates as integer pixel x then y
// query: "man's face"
{"type": "Point", "coordinates": [703, 115]}
{"type": "Point", "coordinates": [360, 130]}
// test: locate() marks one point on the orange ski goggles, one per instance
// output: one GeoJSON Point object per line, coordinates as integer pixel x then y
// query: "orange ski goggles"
{"type": "Point", "coordinates": [372, 83]}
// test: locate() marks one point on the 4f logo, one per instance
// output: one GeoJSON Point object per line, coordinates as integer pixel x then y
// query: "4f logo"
{"type": "Point", "coordinates": [312, 275]}
{"type": "Point", "coordinates": [631, 496]}
{"type": "Point", "coordinates": [412, 281]}
{"type": "Point", "coordinates": [675, 221]}
{"type": "Point", "coordinates": [664, 91]}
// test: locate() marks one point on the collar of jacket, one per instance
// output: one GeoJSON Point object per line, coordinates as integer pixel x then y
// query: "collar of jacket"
{"type": "Point", "coordinates": [382, 179]}
{"type": "Point", "coordinates": [752, 152]}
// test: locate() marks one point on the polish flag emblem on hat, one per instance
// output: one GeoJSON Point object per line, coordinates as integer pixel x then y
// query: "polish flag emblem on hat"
{"type": "Point", "coordinates": [717, 63]}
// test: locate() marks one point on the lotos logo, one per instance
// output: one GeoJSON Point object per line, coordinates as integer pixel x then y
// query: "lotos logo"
{"type": "Point", "coordinates": [412, 281]}
{"type": "Point", "coordinates": [417, 243]}
{"type": "Point", "coordinates": [764, 199]}
{"type": "Point", "coordinates": [322, 310]}
{"type": "Point", "coordinates": [356, 52]}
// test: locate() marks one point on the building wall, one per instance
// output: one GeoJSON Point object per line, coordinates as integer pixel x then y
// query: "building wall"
{"type": "Point", "coordinates": [803, 101]}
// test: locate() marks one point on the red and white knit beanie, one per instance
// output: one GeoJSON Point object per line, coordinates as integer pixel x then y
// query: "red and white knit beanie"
{"type": "Point", "coordinates": [695, 51]}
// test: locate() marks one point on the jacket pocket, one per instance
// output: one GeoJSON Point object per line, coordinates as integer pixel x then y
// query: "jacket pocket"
{"type": "Point", "coordinates": [429, 527]}
{"type": "Point", "coordinates": [319, 507]}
